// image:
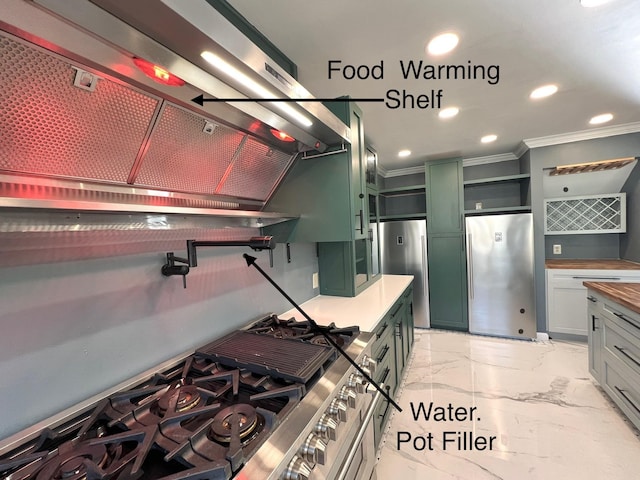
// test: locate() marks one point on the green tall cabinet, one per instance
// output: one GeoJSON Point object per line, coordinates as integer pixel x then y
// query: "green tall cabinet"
{"type": "Point", "coordinates": [446, 245]}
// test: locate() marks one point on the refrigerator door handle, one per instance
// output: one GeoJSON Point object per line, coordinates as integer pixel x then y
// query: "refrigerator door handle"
{"type": "Point", "coordinates": [470, 264]}
{"type": "Point", "coordinates": [423, 242]}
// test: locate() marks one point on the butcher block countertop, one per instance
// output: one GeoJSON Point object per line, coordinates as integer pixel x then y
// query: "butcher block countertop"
{"type": "Point", "coordinates": [365, 310]}
{"type": "Point", "coordinates": [626, 294]}
{"type": "Point", "coordinates": [593, 264]}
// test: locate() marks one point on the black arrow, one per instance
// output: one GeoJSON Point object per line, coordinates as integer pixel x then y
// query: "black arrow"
{"type": "Point", "coordinates": [200, 100]}
{"type": "Point", "coordinates": [251, 261]}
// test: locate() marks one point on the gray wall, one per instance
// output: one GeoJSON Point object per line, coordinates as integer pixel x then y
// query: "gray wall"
{"type": "Point", "coordinates": [71, 330]}
{"type": "Point", "coordinates": [601, 245]}
{"type": "Point", "coordinates": [576, 152]}
{"type": "Point", "coordinates": [630, 241]}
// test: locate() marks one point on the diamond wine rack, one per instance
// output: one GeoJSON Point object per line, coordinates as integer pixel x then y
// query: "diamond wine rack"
{"type": "Point", "coordinates": [586, 214]}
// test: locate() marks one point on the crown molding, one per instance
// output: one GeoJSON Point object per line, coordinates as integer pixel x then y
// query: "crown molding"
{"type": "Point", "coordinates": [527, 144]}
{"type": "Point", "coordinates": [401, 171]}
{"type": "Point", "coordinates": [582, 135]}
{"type": "Point", "coordinates": [521, 150]}
{"type": "Point", "coordinates": [502, 157]}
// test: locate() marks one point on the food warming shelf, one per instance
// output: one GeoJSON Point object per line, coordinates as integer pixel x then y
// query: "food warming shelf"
{"type": "Point", "coordinates": [287, 359]}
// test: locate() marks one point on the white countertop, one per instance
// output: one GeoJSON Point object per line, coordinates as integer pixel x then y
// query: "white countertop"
{"type": "Point", "coordinates": [364, 310]}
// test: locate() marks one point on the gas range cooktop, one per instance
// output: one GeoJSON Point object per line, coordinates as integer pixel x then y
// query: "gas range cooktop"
{"type": "Point", "coordinates": [201, 418]}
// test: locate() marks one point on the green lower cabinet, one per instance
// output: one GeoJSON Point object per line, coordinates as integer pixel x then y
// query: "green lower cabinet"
{"type": "Point", "coordinates": [391, 351]}
{"type": "Point", "coordinates": [448, 282]}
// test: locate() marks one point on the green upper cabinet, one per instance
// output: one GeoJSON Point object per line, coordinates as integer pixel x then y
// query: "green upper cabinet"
{"type": "Point", "coordinates": [351, 115]}
{"type": "Point", "coordinates": [445, 197]}
{"type": "Point", "coordinates": [327, 192]}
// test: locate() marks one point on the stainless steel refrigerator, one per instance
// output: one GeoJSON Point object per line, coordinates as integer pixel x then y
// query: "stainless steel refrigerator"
{"type": "Point", "coordinates": [500, 275]}
{"type": "Point", "coordinates": [403, 250]}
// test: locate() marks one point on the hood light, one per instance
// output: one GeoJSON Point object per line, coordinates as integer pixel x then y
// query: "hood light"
{"type": "Point", "coordinates": [255, 87]}
{"type": "Point", "coordinates": [157, 73]}
{"type": "Point", "coordinates": [282, 136]}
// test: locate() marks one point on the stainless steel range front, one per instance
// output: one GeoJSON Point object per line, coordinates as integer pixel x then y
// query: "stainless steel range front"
{"type": "Point", "coordinates": [273, 401]}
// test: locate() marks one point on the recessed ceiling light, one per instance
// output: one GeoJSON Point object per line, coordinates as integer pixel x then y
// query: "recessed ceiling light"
{"type": "Point", "coordinates": [442, 44]}
{"type": "Point", "coordinates": [603, 118]}
{"type": "Point", "coordinates": [404, 153]}
{"type": "Point", "coordinates": [489, 138]}
{"type": "Point", "coordinates": [448, 112]}
{"type": "Point", "coordinates": [544, 91]}
{"type": "Point", "coordinates": [593, 3]}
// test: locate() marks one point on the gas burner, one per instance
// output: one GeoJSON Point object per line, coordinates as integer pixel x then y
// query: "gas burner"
{"type": "Point", "coordinates": [77, 463]}
{"type": "Point", "coordinates": [321, 340]}
{"type": "Point", "coordinates": [248, 422]}
{"type": "Point", "coordinates": [188, 397]}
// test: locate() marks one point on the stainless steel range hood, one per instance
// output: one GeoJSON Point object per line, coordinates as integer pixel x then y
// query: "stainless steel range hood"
{"type": "Point", "coordinates": [175, 33]}
{"type": "Point", "coordinates": [150, 144]}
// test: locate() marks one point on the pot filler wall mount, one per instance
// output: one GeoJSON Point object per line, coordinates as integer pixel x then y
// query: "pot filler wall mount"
{"type": "Point", "coordinates": [258, 244]}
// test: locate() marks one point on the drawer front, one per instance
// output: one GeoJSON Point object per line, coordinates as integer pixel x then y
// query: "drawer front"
{"type": "Point", "coordinates": [383, 374]}
{"type": "Point", "coordinates": [619, 383]}
{"type": "Point", "coordinates": [622, 344]}
{"type": "Point", "coordinates": [622, 316]}
{"type": "Point", "coordinates": [595, 303]}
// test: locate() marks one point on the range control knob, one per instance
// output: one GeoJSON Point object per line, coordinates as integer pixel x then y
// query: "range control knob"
{"type": "Point", "coordinates": [297, 469]}
{"type": "Point", "coordinates": [348, 395]}
{"type": "Point", "coordinates": [338, 410]}
{"type": "Point", "coordinates": [326, 427]}
{"type": "Point", "coordinates": [314, 449]}
{"type": "Point", "coordinates": [356, 381]}
{"type": "Point", "coordinates": [369, 364]}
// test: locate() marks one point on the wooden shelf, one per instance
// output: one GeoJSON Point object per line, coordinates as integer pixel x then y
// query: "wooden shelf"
{"type": "Point", "coordinates": [488, 181]}
{"type": "Point", "coordinates": [411, 189]}
{"type": "Point", "coordinates": [523, 208]}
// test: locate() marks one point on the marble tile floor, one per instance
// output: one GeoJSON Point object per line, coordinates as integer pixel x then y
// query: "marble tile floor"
{"type": "Point", "coordinates": [504, 409]}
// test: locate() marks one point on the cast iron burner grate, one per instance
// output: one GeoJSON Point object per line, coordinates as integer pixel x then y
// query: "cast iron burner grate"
{"type": "Point", "coordinates": [290, 328]}
{"type": "Point", "coordinates": [283, 358]}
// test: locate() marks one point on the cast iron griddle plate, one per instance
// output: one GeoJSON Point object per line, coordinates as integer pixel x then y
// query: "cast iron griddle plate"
{"type": "Point", "coordinates": [288, 359]}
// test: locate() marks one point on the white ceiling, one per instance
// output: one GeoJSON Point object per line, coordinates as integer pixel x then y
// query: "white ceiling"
{"type": "Point", "coordinates": [592, 54]}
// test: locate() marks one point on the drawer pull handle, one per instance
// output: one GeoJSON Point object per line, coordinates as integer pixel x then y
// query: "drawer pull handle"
{"type": "Point", "coordinates": [624, 352]}
{"type": "Point", "coordinates": [397, 310]}
{"type": "Point", "coordinates": [579, 277]}
{"type": "Point", "coordinates": [383, 354]}
{"type": "Point", "coordinates": [386, 374]}
{"type": "Point", "coordinates": [387, 388]}
{"type": "Point", "coordinates": [398, 330]}
{"type": "Point", "coordinates": [384, 327]}
{"type": "Point", "coordinates": [592, 298]}
{"type": "Point", "coordinates": [628, 399]}
{"type": "Point", "coordinates": [623, 317]}
{"type": "Point", "coordinates": [593, 323]}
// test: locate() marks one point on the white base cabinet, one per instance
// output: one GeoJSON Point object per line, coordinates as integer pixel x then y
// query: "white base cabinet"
{"type": "Point", "coordinates": [567, 309]}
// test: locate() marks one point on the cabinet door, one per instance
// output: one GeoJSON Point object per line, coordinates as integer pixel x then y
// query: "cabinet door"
{"type": "Point", "coordinates": [568, 308]}
{"type": "Point", "coordinates": [447, 282]}
{"type": "Point", "coordinates": [444, 196]}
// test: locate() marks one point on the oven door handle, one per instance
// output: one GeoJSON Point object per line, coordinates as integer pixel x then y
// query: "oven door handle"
{"type": "Point", "coordinates": [368, 417]}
